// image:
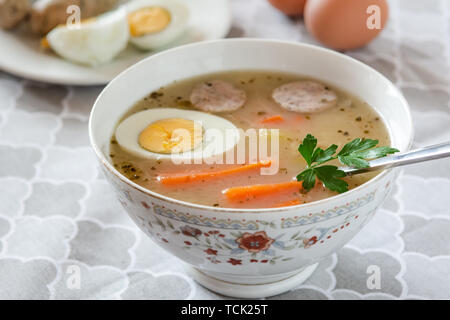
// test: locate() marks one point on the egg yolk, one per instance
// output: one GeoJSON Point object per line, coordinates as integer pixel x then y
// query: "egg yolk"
{"type": "Point", "coordinates": [148, 20]}
{"type": "Point", "coordinates": [171, 136]}
{"type": "Point", "coordinates": [44, 43]}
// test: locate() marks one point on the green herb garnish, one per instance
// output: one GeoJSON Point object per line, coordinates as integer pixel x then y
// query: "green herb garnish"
{"type": "Point", "coordinates": [353, 154]}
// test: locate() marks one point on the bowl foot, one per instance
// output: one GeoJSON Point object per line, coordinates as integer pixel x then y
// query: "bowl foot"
{"type": "Point", "coordinates": [251, 291]}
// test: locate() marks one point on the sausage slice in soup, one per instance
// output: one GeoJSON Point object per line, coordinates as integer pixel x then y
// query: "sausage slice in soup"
{"type": "Point", "coordinates": [305, 97]}
{"type": "Point", "coordinates": [217, 96]}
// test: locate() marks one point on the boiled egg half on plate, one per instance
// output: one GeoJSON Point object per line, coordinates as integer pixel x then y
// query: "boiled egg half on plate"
{"type": "Point", "coordinates": [156, 23]}
{"type": "Point", "coordinates": [147, 24]}
{"type": "Point", "coordinates": [177, 134]}
{"type": "Point", "coordinates": [93, 41]}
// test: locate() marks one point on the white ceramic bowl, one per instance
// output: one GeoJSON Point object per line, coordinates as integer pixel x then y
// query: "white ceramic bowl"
{"type": "Point", "coordinates": [250, 252]}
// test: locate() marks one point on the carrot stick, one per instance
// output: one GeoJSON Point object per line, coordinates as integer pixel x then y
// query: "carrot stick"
{"type": "Point", "coordinates": [175, 179]}
{"type": "Point", "coordinates": [288, 203]}
{"type": "Point", "coordinates": [272, 119]}
{"type": "Point", "coordinates": [236, 194]}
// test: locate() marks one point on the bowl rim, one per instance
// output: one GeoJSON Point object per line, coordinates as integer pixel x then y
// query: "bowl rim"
{"type": "Point", "coordinates": [206, 208]}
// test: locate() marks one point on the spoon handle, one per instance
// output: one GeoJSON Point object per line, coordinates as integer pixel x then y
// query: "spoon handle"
{"type": "Point", "coordinates": [401, 159]}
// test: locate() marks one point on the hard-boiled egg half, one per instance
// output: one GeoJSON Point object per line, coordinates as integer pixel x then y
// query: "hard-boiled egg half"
{"type": "Point", "coordinates": [177, 134]}
{"type": "Point", "coordinates": [156, 23]}
{"type": "Point", "coordinates": [94, 41]}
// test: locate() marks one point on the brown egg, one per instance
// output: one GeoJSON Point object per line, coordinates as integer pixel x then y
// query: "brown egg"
{"type": "Point", "coordinates": [345, 25]}
{"type": "Point", "coordinates": [289, 7]}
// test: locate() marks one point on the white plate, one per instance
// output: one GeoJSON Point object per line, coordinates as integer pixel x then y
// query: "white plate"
{"type": "Point", "coordinates": [20, 53]}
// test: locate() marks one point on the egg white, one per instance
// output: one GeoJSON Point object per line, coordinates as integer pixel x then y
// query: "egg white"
{"type": "Point", "coordinates": [177, 26]}
{"type": "Point", "coordinates": [128, 131]}
{"type": "Point", "coordinates": [93, 42]}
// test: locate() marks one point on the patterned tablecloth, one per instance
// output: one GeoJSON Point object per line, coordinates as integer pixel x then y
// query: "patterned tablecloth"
{"type": "Point", "coordinates": [57, 211]}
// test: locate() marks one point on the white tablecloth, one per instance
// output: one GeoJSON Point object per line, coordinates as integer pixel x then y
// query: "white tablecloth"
{"type": "Point", "coordinates": [57, 212]}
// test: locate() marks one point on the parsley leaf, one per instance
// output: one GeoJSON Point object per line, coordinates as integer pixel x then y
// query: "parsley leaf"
{"type": "Point", "coordinates": [309, 179]}
{"type": "Point", "coordinates": [357, 145]}
{"type": "Point", "coordinates": [353, 154]}
{"type": "Point", "coordinates": [322, 156]}
{"type": "Point", "coordinates": [353, 162]}
{"type": "Point", "coordinates": [330, 177]}
{"type": "Point", "coordinates": [306, 148]}
{"type": "Point", "coordinates": [376, 152]}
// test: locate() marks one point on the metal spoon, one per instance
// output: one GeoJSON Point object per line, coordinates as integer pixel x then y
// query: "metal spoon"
{"type": "Point", "coordinates": [401, 159]}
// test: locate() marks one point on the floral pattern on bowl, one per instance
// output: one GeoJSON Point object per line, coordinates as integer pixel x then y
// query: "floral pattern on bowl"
{"type": "Point", "coordinates": [241, 242]}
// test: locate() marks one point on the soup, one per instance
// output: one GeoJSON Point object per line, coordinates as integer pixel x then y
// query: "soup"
{"type": "Point", "coordinates": [248, 100]}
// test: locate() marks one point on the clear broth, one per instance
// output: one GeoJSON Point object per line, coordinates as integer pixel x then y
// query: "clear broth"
{"type": "Point", "coordinates": [350, 119]}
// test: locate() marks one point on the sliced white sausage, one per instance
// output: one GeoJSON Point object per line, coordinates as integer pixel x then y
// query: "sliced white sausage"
{"type": "Point", "coordinates": [12, 12]}
{"type": "Point", "coordinates": [304, 96]}
{"type": "Point", "coordinates": [217, 96]}
{"type": "Point", "coordinates": [47, 14]}
{"type": "Point", "coordinates": [93, 8]}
